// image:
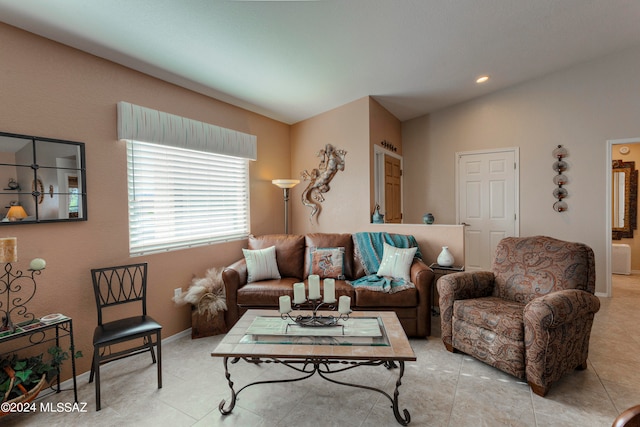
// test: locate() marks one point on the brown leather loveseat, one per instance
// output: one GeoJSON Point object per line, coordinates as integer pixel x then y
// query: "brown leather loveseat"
{"type": "Point", "coordinates": [293, 261]}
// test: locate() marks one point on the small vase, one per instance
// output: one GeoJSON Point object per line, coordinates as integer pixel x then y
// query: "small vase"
{"type": "Point", "coordinates": [445, 258]}
{"type": "Point", "coordinates": [377, 217]}
{"type": "Point", "coordinates": [428, 218]}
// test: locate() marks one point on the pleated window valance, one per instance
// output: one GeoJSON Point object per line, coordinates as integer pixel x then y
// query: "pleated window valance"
{"type": "Point", "coordinates": [147, 125]}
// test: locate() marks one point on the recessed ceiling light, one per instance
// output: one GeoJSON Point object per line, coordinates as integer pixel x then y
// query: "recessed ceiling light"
{"type": "Point", "coordinates": [482, 79]}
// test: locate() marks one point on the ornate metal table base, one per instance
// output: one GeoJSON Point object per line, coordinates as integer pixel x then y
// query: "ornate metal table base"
{"type": "Point", "coordinates": [322, 367]}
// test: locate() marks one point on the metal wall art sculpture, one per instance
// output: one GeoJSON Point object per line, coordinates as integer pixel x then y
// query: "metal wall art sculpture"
{"type": "Point", "coordinates": [319, 179]}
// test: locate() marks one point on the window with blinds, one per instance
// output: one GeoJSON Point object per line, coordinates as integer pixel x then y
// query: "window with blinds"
{"type": "Point", "coordinates": [180, 198]}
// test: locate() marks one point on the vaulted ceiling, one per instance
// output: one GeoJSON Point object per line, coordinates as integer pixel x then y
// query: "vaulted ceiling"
{"type": "Point", "coordinates": [291, 60]}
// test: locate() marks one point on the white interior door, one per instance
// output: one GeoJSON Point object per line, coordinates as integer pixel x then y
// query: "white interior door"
{"type": "Point", "coordinates": [487, 202]}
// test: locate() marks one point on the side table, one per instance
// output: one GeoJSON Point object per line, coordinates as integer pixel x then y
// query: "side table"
{"type": "Point", "coordinates": [439, 271]}
{"type": "Point", "coordinates": [36, 332]}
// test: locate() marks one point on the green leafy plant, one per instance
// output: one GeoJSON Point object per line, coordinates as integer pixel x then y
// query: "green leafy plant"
{"type": "Point", "coordinates": [29, 371]}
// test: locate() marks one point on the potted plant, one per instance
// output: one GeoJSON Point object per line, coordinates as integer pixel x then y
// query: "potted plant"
{"type": "Point", "coordinates": [207, 298]}
{"type": "Point", "coordinates": [21, 379]}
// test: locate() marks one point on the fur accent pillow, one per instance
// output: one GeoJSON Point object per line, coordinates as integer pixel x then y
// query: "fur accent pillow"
{"type": "Point", "coordinates": [396, 262]}
{"type": "Point", "coordinates": [261, 264]}
{"type": "Point", "coordinates": [327, 262]}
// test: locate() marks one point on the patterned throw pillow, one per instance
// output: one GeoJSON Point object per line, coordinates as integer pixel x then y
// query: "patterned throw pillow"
{"type": "Point", "coordinates": [327, 262]}
{"type": "Point", "coordinates": [261, 264]}
{"type": "Point", "coordinates": [396, 262]}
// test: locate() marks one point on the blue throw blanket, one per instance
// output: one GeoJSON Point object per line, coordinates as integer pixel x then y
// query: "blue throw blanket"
{"type": "Point", "coordinates": [369, 249]}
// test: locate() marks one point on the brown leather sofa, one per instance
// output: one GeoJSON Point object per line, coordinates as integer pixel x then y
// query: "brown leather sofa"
{"type": "Point", "coordinates": [292, 256]}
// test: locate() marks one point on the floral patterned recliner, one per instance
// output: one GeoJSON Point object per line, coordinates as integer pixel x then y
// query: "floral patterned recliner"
{"type": "Point", "coordinates": [531, 316]}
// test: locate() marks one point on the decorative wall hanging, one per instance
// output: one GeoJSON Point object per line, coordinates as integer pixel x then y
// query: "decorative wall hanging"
{"type": "Point", "coordinates": [389, 146]}
{"type": "Point", "coordinates": [319, 179]}
{"type": "Point", "coordinates": [560, 179]}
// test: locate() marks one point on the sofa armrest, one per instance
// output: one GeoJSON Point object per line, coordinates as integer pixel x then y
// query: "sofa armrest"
{"type": "Point", "coordinates": [560, 307]}
{"type": "Point", "coordinates": [234, 277]}
{"type": "Point", "coordinates": [557, 328]}
{"type": "Point", "coordinates": [457, 286]}
{"type": "Point", "coordinates": [422, 277]}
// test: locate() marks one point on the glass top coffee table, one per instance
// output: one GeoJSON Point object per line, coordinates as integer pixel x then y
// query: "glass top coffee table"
{"type": "Point", "coordinates": [365, 339]}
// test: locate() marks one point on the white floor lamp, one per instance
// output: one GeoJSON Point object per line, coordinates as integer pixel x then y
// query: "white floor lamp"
{"type": "Point", "coordinates": [286, 185]}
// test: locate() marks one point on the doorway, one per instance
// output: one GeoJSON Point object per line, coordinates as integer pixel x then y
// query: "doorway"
{"type": "Point", "coordinates": [626, 150]}
{"type": "Point", "coordinates": [388, 184]}
{"type": "Point", "coordinates": [487, 202]}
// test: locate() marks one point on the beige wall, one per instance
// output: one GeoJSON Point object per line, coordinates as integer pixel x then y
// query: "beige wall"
{"type": "Point", "coordinates": [347, 203]}
{"type": "Point", "coordinates": [356, 127]}
{"type": "Point", "coordinates": [581, 108]}
{"type": "Point", "coordinates": [51, 90]}
{"type": "Point", "coordinates": [634, 243]}
{"type": "Point", "coordinates": [383, 126]}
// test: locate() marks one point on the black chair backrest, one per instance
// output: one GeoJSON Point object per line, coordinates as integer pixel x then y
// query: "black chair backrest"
{"type": "Point", "coordinates": [120, 285]}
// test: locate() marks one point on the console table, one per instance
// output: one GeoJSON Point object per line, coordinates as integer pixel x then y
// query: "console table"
{"type": "Point", "coordinates": [36, 332]}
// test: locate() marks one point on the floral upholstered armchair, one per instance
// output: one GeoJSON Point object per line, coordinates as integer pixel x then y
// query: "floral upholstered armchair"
{"type": "Point", "coordinates": [531, 316]}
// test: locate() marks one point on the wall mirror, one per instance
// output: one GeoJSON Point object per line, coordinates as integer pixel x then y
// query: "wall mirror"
{"type": "Point", "coordinates": [624, 203]}
{"type": "Point", "coordinates": [41, 180]}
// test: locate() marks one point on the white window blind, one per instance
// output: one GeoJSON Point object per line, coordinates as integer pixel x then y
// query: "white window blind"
{"type": "Point", "coordinates": [181, 198]}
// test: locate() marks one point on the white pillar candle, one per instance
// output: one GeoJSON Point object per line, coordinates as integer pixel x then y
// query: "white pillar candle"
{"type": "Point", "coordinates": [285, 304]}
{"type": "Point", "coordinates": [344, 305]}
{"type": "Point", "coordinates": [298, 293]}
{"type": "Point", "coordinates": [37, 264]}
{"type": "Point", "coordinates": [9, 249]}
{"type": "Point", "coordinates": [314, 286]}
{"type": "Point", "coordinates": [329, 291]}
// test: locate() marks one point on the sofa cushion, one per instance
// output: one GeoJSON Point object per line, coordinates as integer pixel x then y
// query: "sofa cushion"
{"type": "Point", "coordinates": [494, 314]}
{"type": "Point", "coordinates": [261, 264]}
{"type": "Point", "coordinates": [327, 262]}
{"type": "Point", "coordinates": [396, 262]}
{"type": "Point", "coordinates": [368, 298]}
{"type": "Point", "coordinates": [289, 251]}
{"type": "Point", "coordinates": [329, 240]}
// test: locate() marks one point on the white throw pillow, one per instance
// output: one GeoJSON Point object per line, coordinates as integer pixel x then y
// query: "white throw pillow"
{"type": "Point", "coordinates": [261, 264]}
{"type": "Point", "coordinates": [396, 262]}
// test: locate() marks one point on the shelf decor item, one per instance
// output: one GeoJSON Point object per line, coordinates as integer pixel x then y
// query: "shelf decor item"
{"type": "Point", "coordinates": [560, 179]}
{"type": "Point", "coordinates": [445, 258]}
{"type": "Point", "coordinates": [377, 217]}
{"type": "Point", "coordinates": [16, 288]}
{"type": "Point", "coordinates": [428, 218]}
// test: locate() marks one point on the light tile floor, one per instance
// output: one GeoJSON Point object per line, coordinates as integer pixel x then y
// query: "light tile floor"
{"type": "Point", "coordinates": [440, 389]}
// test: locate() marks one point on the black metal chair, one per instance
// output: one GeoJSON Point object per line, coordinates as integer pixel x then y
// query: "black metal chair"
{"type": "Point", "coordinates": [114, 286]}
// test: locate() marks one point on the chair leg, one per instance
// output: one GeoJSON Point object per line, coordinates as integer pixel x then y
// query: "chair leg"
{"type": "Point", "coordinates": [450, 348]}
{"type": "Point", "coordinates": [92, 366]}
{"type": "Point", "coordinates": [149, 341]}
{"type": "Point", "coordinates": [96, 370]}
{"type": "Point", "coordinates": [159, 345]}
{"type": "Point", "coordinates": [538, 389]}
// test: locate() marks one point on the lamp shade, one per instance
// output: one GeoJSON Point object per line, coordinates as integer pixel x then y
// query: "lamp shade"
{"type": "Point", "coordinates": [16, 212]}
{"type": "Point", "coordinates": [286, 183]}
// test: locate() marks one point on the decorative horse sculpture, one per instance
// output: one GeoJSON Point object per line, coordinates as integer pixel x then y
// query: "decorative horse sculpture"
{"type": "Point", "coordinates": [319, 179]}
